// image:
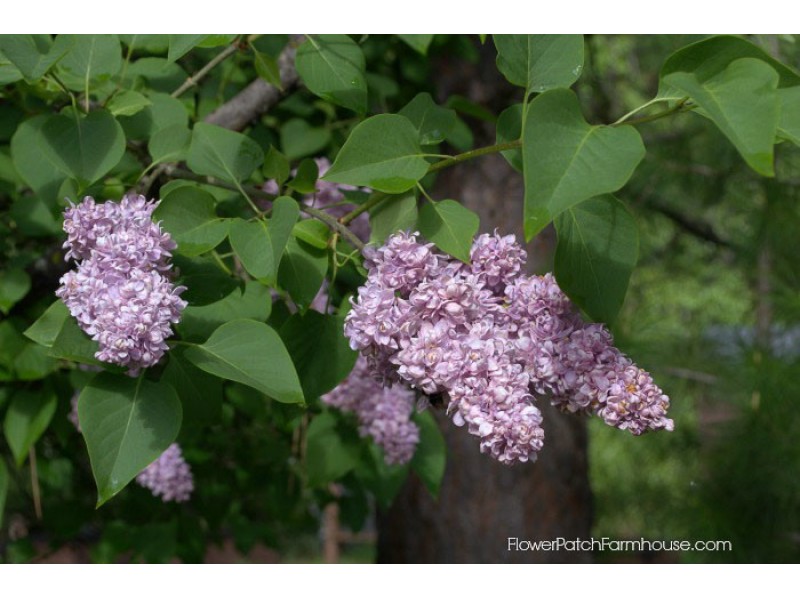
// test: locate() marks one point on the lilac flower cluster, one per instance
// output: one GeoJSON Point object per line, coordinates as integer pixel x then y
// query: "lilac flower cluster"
{"type": "Point", "coordinates": [169, 477]}
{"type": "Point", "coordinates": [330, 196]}
{"type": "Point", "coordinates": [121, 293]}
{"type": "Point", "coordinates": [384, 413]}
{"type": "Point", "coordinates": [488, 339]}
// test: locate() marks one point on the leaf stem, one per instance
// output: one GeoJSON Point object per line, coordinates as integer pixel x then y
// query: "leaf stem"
{"type": "Point", "coordinates": [459, 158]}
{"type": "Point", "coordinates": [373, 200]}
{"type": "Point", "coordinates": [681, 106]}
{"type": "Point", "coordinates": [193, 80]}
{"type": "Point", "coordinates": [334, 225]}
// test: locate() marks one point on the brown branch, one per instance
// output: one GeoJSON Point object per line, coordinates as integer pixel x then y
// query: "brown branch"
{"type": "Point", "coordinates": [258, 97]}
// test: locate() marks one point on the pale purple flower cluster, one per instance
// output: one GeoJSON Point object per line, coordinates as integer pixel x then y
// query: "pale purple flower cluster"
{"type": "Point", "coordinates": [121, 292]}
{"type": "Point", "coordinates": [330, 196]}
{"type": "Point", "coordinates": [384, 413]}
{"type": "Point", "coordinates": [489, 339]}
{"type": "Point", "coordinates": [169, 477]}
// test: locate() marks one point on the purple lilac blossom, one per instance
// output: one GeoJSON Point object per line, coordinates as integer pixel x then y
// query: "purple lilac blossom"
{"type": "Point", "coordinates": [121, 292]}
{"type": "Point", "coordinates": [489, 339]}
{"type": "Point", "coordinates": [383, 413]}
{"type": "Point", "coordinates": [169, 477]}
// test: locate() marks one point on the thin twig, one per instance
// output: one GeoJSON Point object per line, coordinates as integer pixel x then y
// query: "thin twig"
{"type": "Point", "coordinates": [37, 496]}
{"type": "Point", "coordinates": [193, 80]}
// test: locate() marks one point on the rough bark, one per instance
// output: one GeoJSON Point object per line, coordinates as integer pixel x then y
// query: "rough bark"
{"type": "Point", "coordinates": [483, 503]}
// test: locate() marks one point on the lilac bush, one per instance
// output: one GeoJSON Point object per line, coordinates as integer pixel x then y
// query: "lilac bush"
{"type": "Point", "coordinates": [121, 293]}
{"type": "Point", "coordinates": [492, 341]}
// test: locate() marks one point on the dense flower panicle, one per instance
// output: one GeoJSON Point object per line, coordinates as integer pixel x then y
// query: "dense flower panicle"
{"type": "Point", "coordinates": [121, 293]}
{"type": "Point", "coordinates": [384, 413]}
{"type": "Point", "coordinates": [488, 339]}
{"type": "Point", "coordinates": [169, 477]}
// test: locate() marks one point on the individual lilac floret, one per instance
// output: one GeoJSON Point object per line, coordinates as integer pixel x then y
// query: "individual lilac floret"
{"type": "Point", "coordinates": [384, 413]}
{"type": "Point", "coordinates": [169, 477]}
{"type": "Point", "coordinates": [121, 293]}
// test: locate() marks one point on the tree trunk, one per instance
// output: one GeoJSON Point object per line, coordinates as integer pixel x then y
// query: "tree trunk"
{"type": "Point", "coordinates": [483, 503]}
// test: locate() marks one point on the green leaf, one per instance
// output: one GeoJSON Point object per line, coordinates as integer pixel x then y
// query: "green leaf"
{"type": "Point", "coordinates": [85, 148]}
{"type": "Point", "coordinates": [221, 153]}
{"type": "Point", "coordinates": [329, 456]}
{"type": "Point", "coordinates": [170, 144]}
{"type": "Point", "coordinates": [567, 161]}
{"type": "Point", "coordinates": [433, 122]}
{"type": "Point", "coordinates": [127, 424]}
{"type": "Point", "coordinates": [417, 41]}
{"type": "Point", "coordinates": [179, 45]}
{"type": "Point", "coordinates": [34, 362]}
{"type": "Point", "coordinates": [205, 280]}
{"type": "Point", "coordinates": [707, 58]}
{"type": "Point", "coordinates": [276, 166]}
{"type": "Point", "coordinates": [305, 181]}
{"type": "Point", "coordinates": [251, 353]}
{"type": "Point", "coordinates": [509, 128]}
{"type": "Point", "coordinates": [46, 328]}
{"type": "Point", "coordinates": [27, 417]}
{"type": "Point", "coordinates": [251, 242]}
{"type": "Point", "coordinates": [127, 103]}
{"type": "Point", "coordinates": [73, 344]}
{"type": "Point", "coordinates": [267, 68]}
{"type": "Point", "coordinates": [450, 226]}
{"type": "Point", "coordinates": [199, 392]}
{"type": "Point", "coordinates": [312, 232]}
{"type": "Point", "coordinates": [332, 67]}
{"type": "Point", "coordinates": [299, 139]}
{"type": "Point", "coordinates": [395, 213]}
{"type": "Point", "coordinates": [90, 58]}
{"type": "Point", "coordinates": [33, 55]}
{"type": "Point", "coordinates": [789, 123]}
{"type": "Point", "coordinates": [164, 112]}
{"type": "Point", "coordinates": [430, 457]}
{"type": "Point", "coordinates": [383, 480]}
{"type": "Point", "coordinates": [199, 322]}
{"type": "Point", "coordinates": [302, 271]}
{"type": "Point", "coordinates": [14, 284]}
{"type": "Point", "coordinates": [598, 245]}
{"type": "Point", "coordinates": [3, 489]}
{"type": "Point", "coordinates": [36, 168]}
{"type": "Point", "coordinates": [189, 215]}
{"type": "Point", "coordinates": [540, 62]}
{"type": "Point", "coordinates": [34, 218]}
{"type": "Point", "coordinates": [319, 350]}
{"type": "Point", "coordinates": [383, 153]}
{"type": "Point", "coordinates": [743, 102]}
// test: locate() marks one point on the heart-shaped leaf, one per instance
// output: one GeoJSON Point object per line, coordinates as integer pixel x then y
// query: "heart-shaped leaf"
{"type": "Point", "coordinates": [568, 161]}
{"type": "Point", "coordinates": [85, 148]}
{"type": "Point", "coordinates": [127, 424]}
{"type": "Point", "coordinates": [251, 353]}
